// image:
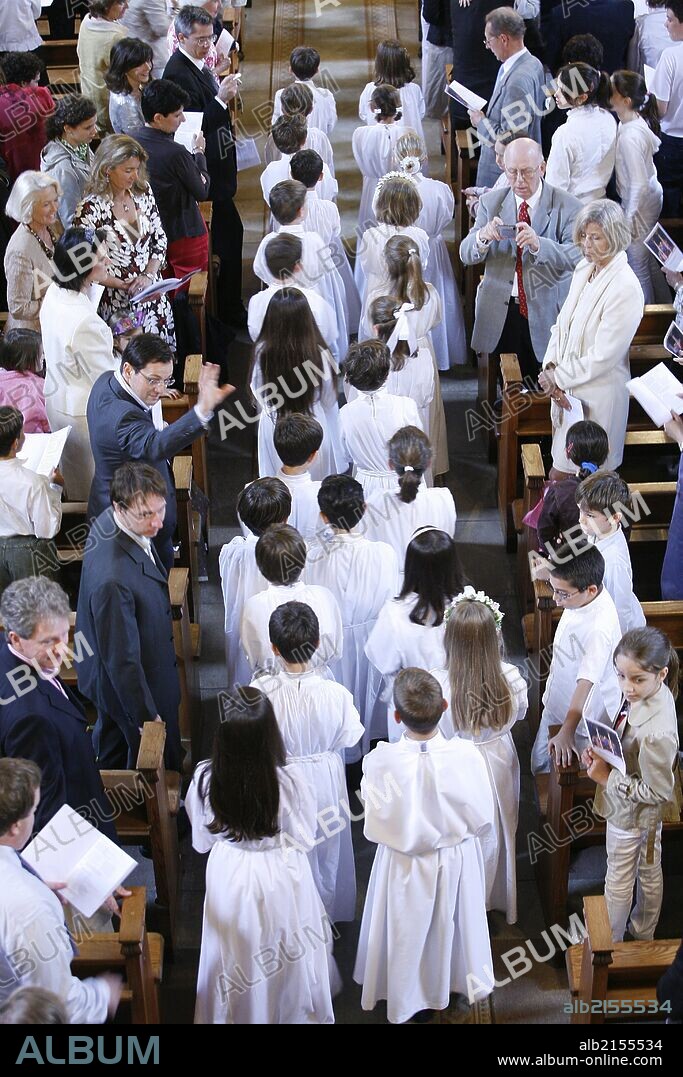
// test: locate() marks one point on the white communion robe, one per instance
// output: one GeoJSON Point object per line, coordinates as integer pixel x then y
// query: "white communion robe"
{"type": "Point", "coordinates": [412, 106]}
{"type": "Point", "coordinates": [416, 379]}
{"type": "Point", "coordinates": [388, 519]}
{"type": "Point", "coordinates": [316, 140]}
{"type": "Point", "coordinates": [305, 514]}
{"type": "Point", "coordinates": [641, 200]}
{"type": "Point", "coordinates": [424, 933]}
{"type": "Point", "coordinates": [261, 902]}
{"type": "Point", "coordinates": [366, 425]}
{"type": "Point", "coordinates": [277, 171]}
{"type": "Point", "coordinates": [321, 310]}
{"type": "Point", "coordinates": [324, 114]}
{"type": "Point", "coordinates": [497, 749]}
{"type": "Point", "coordinates": [362, 575]}
{"type": "Point", "coordinates": [240, 579]}
{"type": "Point", "coordinates": [317, 720]}
{"type": "Point", "coordinates": [373, 149]}
{"type": "Point", "coordinates": [370, 271]}
{"type": "Point", "coordinates": [254, 635]}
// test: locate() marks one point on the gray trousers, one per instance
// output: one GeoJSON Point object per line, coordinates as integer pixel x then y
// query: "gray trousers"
{"type": "Point", "coordinates": [26, 555]}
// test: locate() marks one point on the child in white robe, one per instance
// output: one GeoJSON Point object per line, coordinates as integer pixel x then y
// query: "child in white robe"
{"type": "Point", "coordinates": [374, 148]}
{"type": "Point", "coordinates": [289, 135]}
{"type": "Point", "coordinates": [281, 557]}
{"type": "Point", "coordinates": [317, 721]}
{"type": "Point", "coordinates": [393, 68]}
{"type": "Point", "coordinates": [362, 575]}
{"type": "Point", "coordinates": [394, 515]}
{"type": "Point", "coordinates": [602, 499]}
{"type": "Point", "coordinates": [260, 891]}
{"type": "Point", "coordinates": [483, 706]}
{"type": "Point", "coordinates": [261, 503]}
{"type": "Point", "coordinates": [424, 933]}
{"type": "Point", "coordinates": [297, 439]}
{"type": "Point", "coordinates": [410, 628]}
{"type": "Point", "coordinates": [304, 63]}
{"type": "Point", "coordinates": [297, 99]}
{"type": "Point", "coordinates": [367, 423]}
{"type": "Point", "coordinates": [284, 263]}
{"type": "Point", "coordinates": [412, 368]}
{"type": "Point", "coordinates": [397, 205]}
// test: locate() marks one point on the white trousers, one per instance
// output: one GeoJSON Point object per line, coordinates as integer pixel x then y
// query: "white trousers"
{"type": "Point", "coordinates": [626, 855]}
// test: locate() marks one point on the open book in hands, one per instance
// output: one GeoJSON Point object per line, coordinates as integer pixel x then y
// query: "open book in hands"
{"type": "Point", "coordinates": [658, 393]}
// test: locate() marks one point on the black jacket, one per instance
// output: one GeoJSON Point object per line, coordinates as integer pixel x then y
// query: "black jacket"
{"type": "Point", "coordinates": [179, 181]}
{"type": "Point", "coordinates": [437, 14]}
{"type": "Point", "coordinates": [473, 64]}
{"type": "Point", "coordinates": [611, 21]}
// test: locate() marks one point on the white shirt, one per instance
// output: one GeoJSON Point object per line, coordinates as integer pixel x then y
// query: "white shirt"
{"type": "Point", "coordinates": [29, 503]}
{"type": "Point", "coordinates": [324, 114]}
{"type": "Point", "coordinates": [512, 60]}
{"type": "Point", "coordinates": [254, 635]}
{"type": "Point", "coordinates": [581, 158]}
{"type": "Point", "coordinates": [18, 30]}
{"type": "Point", "coordinates": [200, 65]}
{"type": "Point", "coordinates": [322, 312]}
{"type": "Point", "coordinates": [649, 40]}
{"type": "Point", "coordinates": [143, 542]}
{"type": "Point", "coordinates": [667, 86]}
{"type": "Point", "coordinates": [618, 580]}
{"type": "Point", "coordinates": [531, 202]}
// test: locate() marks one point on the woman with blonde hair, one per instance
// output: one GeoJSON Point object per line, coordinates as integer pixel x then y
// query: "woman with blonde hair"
{"type": "Point", "coordinates": [34, 203]}
{"type": "Point", "coordinates": [397, 206]}
{"type": "Point", "coordinates": [486, 696]}
{"type": "Point", "coordinates": [119, 198]}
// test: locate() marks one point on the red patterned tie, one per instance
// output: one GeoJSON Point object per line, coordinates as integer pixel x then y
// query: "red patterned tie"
{"type": "Point", "coordinates": [523, 215]}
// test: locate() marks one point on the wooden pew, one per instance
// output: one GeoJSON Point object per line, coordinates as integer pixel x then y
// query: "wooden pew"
{"type": "Point", "coordinates": [189, 526]}
{"type": "Point", "coordinates": [206, 210]}
{"type": "Point", "coordinates": [64, 80]}
{"type": "Point", "coordinates": [616, 980]}
{"type": "Point", "coordinates": [132, 951]}
{"type": "Point", "coordinates": [199, 286]}
{"type": "Point", "coordinates": [193, 366]}
{"type": "Point", "coordinates": [187, 643]}
{"type": "Point", "coordinates": [56, 53]}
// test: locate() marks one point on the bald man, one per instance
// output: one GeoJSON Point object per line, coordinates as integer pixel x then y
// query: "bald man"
{"type": "Point", "coordinates": [523, 236]}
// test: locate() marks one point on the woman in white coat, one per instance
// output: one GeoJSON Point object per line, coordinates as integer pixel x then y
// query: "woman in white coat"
{"type": "Point", "coordinates": [78, 347]}
{"type": "Point", "coordinates": [581, 158]}
{"type": "Point", "coordinates": [587, 355]}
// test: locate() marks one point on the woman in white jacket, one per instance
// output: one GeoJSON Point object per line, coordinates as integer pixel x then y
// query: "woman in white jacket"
{"type": "Point", "coordinates": [78, 347]}
{"type": "Point", "coordinates": [587, 355]}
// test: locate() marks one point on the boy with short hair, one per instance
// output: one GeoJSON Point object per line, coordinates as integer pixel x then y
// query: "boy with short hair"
{"type": "Point", "coordinates": [289, 135]}
{"type": "Point", "coordinates": [581, 679]}
{"type": "Point", "coordinates": [297, 99]}
{"type": "Point", "coordinates": [424, 933]}
{"type": "Point", "coordinates": [281, 557]}
{"type": "Point", "coordinates": [304, 63]}
{"type": "Point", "coordinates": [367, 423]}
{"type": "Point", "coordinates": [297, 438]}
{"type": "Point", "coordinates": [601, 498]}
{"type": "Point", "coordinates": [317, 720]}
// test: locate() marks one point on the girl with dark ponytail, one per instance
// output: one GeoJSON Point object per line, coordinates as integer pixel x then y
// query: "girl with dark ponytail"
{"type": "Point", "coordinates": [587, 449]}
{"type": "Point", "coordinates": [581, 158]}
{"type": "Point", "coordinates": [638, 187]}
{"type": "Point", "coordinates": [412, 369]}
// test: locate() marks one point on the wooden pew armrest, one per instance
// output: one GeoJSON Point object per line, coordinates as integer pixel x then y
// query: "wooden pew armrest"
{"type": "Point", "coordinates": [532, 464]}
{"type": "Point", "coordinates": [510, 371]}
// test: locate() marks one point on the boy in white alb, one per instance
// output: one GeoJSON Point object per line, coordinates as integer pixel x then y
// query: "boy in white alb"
{"type": "Point", "coordinates": [317, 720]}
{"type": "Point", "coordinates": [424, 933]}
{"type": "Point", "coordinates": [304, 63]}
{"type": "Point", "coordinates": [289, 135]}
{"type": "Point", "coordinates": [280, 558]}
{"type": "Point", "coordinates": [601, 498]}
{"type": "Point", "coordinates": [581, 679]}
{"type": "Point", "coordinates": [261, 503]}
{"type": "Point", "coordinates": [367, 423]}
{"type": "Point", "coordinates": [297, 439]}
{"type": "Point", "coordinates": [297, 99]}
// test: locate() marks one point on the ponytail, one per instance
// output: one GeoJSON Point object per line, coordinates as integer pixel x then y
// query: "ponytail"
{"type": "Point", "coordinates": [385, 102]}
{"type": "Point", "coordinates": [632, 85]}
{"type": "Point", "coordinates": [403, 263]}
{"type": "Point", "coordinates": [651, 649]}
{"type": "Point", "coordinates": [410, 454]}
{"type": "Point", "coordinates": [587, 447]}
{"type": "Point", "coordinates": [382, 317]}
{"type": "Point", "coordinates": [577, 78]}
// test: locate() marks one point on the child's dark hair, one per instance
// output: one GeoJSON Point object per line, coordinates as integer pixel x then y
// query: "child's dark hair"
{"type": "Point", "coordinates": [587, 446]}
{"type": "Point", "coordinates": [281, 554]}
{"type": "Point", "coordinates": [11, 425]}
{"type": "Point", "coordinates": [418, 699]}
{"type": "Point", "coordinates": [242, 781]}
{"type": "Point", "coordinates": [392, 65]}
{"type": "Point", "coordinates": [295, 630]}
{"type": "Point", "coordinates": [283, 252]}
{"type": "Point", "coordinates": [290, 350]}
{"type": "Point", "coordinates": [289, 133]}
{"type": "Point", "coordinates": [383, 319]}
{"type": "Point", "coordinates": [21, 350]}
{"type": "Point", "coordinates": [342, 501]}
{"type": "Point", "coordinates": [385, 102]}
{"type": "Point", "coordinates": [577, 79]}
{"type": "Point", "coordinates": [650, 649]}
{"type": "Point", "coordinates": [262, 503]}
{"type": "Point", "coordinates": [409, 448]}
{"type": "Point", "coordinates": [307, 166]}
{"type": "Point", "coordinates": [304, 62]}
{"type": "Point", "coordinates": [604, 492]}
{"type": "Point", "coordinates": [402, 259]}
{"type": "Point", "coordinates": [296, 437]}
{"type": "Point", "coordinates": [584, 48]}
{"type": "Point", "coordinates": [367, 365]}
{"type": "Point", "coordinates": [581, 564]}
{"type": "Point", "coordinates": [286, 199]}
{"type": "Point", "coordinates": [297, 100]}
{"type": "Point", "coordinates": [432, 573]}
{"type": "Point", "coordinates": [632, 84]}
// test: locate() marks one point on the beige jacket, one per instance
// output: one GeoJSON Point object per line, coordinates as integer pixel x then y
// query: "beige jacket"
{"type": "Point", "coordinates": [29, 274]}
{"type": "Point", "coordinates": [95, 42]}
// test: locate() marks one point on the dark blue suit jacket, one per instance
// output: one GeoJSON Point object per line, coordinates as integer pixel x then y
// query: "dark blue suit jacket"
{"type": "Point", "coordinates": [611, 21]}
{"type": "Point", "coordinates": [52, 731]}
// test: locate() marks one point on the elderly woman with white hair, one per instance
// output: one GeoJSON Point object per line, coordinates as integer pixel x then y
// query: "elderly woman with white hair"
{"type": "Point", "coordinates": [587, 356]}
{"type": "Point", "coordinates": [33, 202]}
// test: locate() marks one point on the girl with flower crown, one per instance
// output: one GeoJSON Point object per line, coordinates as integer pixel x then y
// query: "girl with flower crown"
{"type": "Point", "coordinates": [485, 697]}
{"type": "Point", "coordinates": [396, 205]}
{"type": "Point", "coordinates": [373, 147]}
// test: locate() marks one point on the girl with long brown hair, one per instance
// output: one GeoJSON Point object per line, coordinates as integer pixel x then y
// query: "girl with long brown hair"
{"type": "Point", "coordinates": [393, 68]}
{"type": "Point", "coordinates": [373, 147]}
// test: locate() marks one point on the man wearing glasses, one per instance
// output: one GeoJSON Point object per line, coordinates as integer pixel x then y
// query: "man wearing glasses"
{"type": "Point", "coordinates": [125, 423]}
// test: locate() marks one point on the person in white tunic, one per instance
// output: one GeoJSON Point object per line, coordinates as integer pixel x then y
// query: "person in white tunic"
{"type": "Point", "coordinates": [374, 148]}
{"type": "Point", "coordinates": [317, 720]}
{"type": "Point", "coordinates": [304, 63]}
{"type": "Point", "coordinates": [394, 515]}
{"type": "Point", "coordinates": [251, 813]}
{"type": "Point", "coordinates": [436, 215]}
{"type": "Point", "coordinates": [486, 697]}
{"type": "Point", "coordinates": [297, 99]}
{"type": "Point", "coordinates": [289, 135]}
{"type": "Point", "coordinates": [368, 422]}
{"type": "Point", "coordinates": [297, 439]}
{"type": "Point", "coordinates": [362, 575]}
{"type": "Point", "coordinates": [281, 558]}
{"type": "Point", "coordinates": [650, 39]}
{"type": "Point", "coordinates": [427, 799]}
{"type": "Point", "coordinates": [602, 500]}
{"type": "Point", "coordinates": [396, 205]}
{"type": "Point", "coordinates": [393, 68]}
{"type": "Point", "coordinates": [412, 368]}
{"type": "Point", "coordinates": [582, 152]}
{"type": "Point", "coordinates": [587, 354]}
{"type": "Point", "coordinates": [637, 185]}
{"type": "Point", "coordinates": [262, 503]}
{"type": "Point", "coordinates": [410, 628]}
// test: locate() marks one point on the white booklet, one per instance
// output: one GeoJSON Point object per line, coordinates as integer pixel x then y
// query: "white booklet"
{"type": "Point", "coordinates": [657, 391]}
{"type": "Point", "coordinates": [70, 850]}
{"type": "Point", "coordinates": [605, 743]}
{"type": "Point", "coordinates": [665, 250]}
{"type": "Point", "coordinates": [42, 452]}
{"type": "Point", "coordinates": [160, 287]}
{"type": "Point", "coordinates": [187, 130]}
{"type": "Point", "coordinates": [466, 97]}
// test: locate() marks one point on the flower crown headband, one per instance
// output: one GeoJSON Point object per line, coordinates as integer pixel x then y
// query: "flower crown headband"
{"type": "Point", "coordinates": [470, 595]}
{"type": "Point", "coordinates": [393, 175]}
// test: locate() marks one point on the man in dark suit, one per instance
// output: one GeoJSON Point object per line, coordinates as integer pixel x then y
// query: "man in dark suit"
{"type": "Point", "coordinates": [473, 63]}
{"type": "Point", "coordinates": [121, 424]}
{"type": "Point", "coordinates": [187, 68]}
{"type": "Point", "coordinates": [611, 21]}
{"type": "Point", "coordinates": [40, 718]}
{"type": "Point", "coordinates": [124, 612]}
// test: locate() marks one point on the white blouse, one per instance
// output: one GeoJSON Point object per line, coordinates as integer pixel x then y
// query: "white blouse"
{"type": "Point", "coordinates": [581, 158]}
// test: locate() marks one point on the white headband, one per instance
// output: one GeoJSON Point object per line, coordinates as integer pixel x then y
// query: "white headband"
{"type": "Point", "coordinates": [403, 330]}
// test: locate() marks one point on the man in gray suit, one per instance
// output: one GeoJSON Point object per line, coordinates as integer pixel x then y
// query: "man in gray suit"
{"type": "Point", "coordinates": [523, 235]}
{"type": "Point", "coordinates": [518, 101]}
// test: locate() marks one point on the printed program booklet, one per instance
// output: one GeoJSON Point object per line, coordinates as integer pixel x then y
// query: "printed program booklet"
{"type": "Point", "coordinates": [465, 97]}
{"type": "Point", "coordinates": [605, 743]}
{"type": "Point", "coordinates": [658, 392]}
{"type": "Point", "coordinates": [42, 452]}
{"type": "Point", "coordinates": [664, 248]}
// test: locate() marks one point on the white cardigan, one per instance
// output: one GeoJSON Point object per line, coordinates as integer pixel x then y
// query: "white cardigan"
{"type": "Point", "coordinates": [18, 30]}
{"type": "Point", "coordinates": [78, 348]}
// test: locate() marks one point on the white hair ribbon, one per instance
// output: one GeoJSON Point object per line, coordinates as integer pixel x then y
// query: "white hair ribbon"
{"type": "Point", "coordinates": [403, 330]}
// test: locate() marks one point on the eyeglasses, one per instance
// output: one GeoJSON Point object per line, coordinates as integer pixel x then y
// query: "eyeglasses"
{"type": "Point", "coordinates": [564, 594]}
{"type": "Point", "coordinates": [521, 173]}
{"type": "Point", "coordinates": [488, 40]}
{"type": "Point", "coordinates": [205, 39]}
{"type": "Point", "coordinates": [156, 383]}
{"type": "Point", "coordinates": [146, 515]}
